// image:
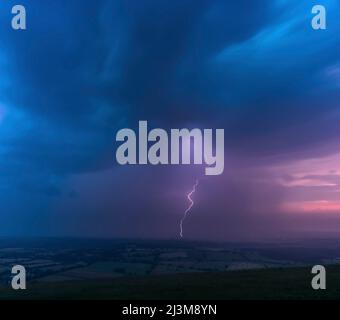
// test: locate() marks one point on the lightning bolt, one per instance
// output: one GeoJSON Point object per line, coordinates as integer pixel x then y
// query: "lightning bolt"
{"type": "Point", "coordinates": [191, 204]}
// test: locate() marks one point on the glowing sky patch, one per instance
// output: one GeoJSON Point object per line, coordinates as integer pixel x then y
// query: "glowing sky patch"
{"type": "Point", "coordinates": [318, 206]}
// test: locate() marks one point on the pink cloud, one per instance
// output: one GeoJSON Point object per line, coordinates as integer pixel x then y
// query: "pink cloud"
{"type": "Point", "coordinates": [317, 206]}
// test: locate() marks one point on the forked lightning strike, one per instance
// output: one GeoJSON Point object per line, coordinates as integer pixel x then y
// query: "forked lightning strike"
{"type": "Point", "coordinates": [189, 196]}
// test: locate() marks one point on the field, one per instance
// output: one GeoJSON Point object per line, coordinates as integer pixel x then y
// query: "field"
{"type": "Point", "coordinates": [136, 269]}
{"type": "Point", "coordinates": [288, 283]}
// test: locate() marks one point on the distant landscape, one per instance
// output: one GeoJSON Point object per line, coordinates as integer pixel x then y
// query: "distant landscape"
{"type": "Point", "coordinates": [145, 269]}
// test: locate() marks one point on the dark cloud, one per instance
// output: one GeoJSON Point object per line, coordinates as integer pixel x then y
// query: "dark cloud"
{"type": "Point", "coordinates": [84, 69]}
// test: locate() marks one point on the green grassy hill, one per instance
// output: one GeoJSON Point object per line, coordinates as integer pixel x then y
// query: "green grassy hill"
{"type": "Point", "coordinates": [288, 283]}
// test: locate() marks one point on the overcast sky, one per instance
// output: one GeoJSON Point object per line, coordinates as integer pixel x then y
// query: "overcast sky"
{"type": "Point", "coordinates": [84, 69]}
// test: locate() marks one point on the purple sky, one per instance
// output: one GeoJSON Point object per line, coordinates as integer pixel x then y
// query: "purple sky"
{"type": "Point", "coordinates": [256, 69]}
